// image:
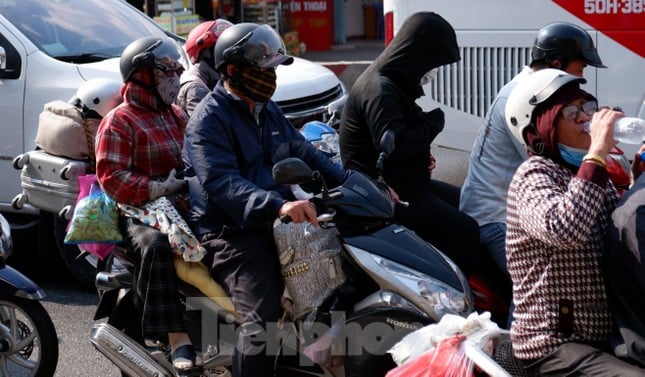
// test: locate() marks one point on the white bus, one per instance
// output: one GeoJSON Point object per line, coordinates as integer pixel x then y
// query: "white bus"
{"type": "Point", "coordinates": [495, 39]}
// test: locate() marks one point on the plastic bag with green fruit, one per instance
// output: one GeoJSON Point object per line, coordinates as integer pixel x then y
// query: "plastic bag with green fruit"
{"type": "Point", "coordinates": [95, 219]}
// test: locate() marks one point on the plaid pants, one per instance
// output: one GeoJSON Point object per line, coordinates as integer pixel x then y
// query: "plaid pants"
{"type": "Point", "coordinates": [156, 281]}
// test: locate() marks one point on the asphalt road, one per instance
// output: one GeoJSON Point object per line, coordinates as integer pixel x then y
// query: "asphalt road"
{"type": "Point", "coordinates": [72, 310]}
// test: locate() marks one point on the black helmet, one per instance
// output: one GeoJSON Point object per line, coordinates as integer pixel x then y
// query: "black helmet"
{"type": "Point", "coordinates": [250, 44]}
{"type": "Point", "coordinates": [149, 52]}
{"type": "Point", "coordinates": [565, 41]}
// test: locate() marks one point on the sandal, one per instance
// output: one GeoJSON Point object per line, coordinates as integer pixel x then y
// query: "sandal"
{"type": "Point", "coordinates": [183, 354]}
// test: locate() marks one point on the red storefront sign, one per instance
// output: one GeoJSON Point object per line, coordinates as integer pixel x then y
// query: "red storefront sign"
{"type": "Point", "coordinates": [314, 21]}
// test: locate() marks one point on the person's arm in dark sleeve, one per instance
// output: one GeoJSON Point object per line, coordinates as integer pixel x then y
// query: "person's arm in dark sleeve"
{"type": "Point", "coordinates": [386, 112]}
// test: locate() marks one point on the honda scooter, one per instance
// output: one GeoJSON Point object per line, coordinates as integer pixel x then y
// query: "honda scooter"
{"type": "Point", "coordinates": [395, 283]}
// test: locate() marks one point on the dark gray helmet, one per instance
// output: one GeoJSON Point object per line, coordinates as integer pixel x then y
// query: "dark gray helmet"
{"type": "Point", "coordinates": [565, 41]}
{"type": "Point", "coordinates": [250, 44]}
{"type": "Point", "coordinates": [149, 52]}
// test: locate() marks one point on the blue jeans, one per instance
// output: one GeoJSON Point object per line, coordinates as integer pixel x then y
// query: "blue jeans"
{"type": "Point", "coordinates": [492, 237]}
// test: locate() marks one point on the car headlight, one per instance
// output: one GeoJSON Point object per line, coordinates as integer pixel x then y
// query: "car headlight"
{"type": "Point", "coordinates": [439, 297]}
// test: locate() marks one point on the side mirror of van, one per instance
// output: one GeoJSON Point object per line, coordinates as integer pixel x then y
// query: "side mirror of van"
{"type": "Point", "coordinates": [8, 71]}
{"type": "Point", "coordinates": [3, 59]}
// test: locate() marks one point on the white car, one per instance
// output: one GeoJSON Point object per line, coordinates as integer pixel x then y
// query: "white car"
{"type": "Point", "coordinates": [48, 48]}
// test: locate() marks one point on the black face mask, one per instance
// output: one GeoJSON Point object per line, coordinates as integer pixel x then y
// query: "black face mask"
{"type": "Point", "coordinates": [258, 84]}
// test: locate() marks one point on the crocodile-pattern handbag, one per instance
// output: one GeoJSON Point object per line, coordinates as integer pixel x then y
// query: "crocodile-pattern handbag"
{"type": "Point", "coordinates": [310, 263]}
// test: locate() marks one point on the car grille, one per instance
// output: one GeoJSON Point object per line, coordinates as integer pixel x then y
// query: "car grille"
{"type": "Point", "coordinates": [305, 109]}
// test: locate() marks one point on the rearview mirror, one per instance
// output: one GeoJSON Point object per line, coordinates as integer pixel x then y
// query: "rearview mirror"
{"type": "Point", "coordinates": [387, 142]}
{"type": "Point", "coordinates": [386, 147]}
{"type": "Point", "coordinates": [292, 171]}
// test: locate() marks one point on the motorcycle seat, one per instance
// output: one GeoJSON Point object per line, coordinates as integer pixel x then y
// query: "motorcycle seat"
{"type": "Point", "coordinates": [197, 275]}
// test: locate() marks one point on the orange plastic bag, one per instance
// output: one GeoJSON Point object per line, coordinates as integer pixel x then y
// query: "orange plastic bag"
{"type": "Point", "coordinates": [447, 359]}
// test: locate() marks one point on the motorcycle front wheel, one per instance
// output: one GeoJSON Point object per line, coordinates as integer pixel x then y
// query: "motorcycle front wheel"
{"type": "Point", "coordinates": [28, 340]}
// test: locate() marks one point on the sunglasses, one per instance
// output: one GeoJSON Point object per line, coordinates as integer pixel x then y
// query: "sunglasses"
{"type": "Point", "coordinates": [571, 112]}
{"type": "Point", "coordinates": [170, 71]}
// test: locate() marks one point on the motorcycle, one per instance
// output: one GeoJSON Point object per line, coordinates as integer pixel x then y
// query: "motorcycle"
{"type": "Point", "coordinates": [490, 293]}
{"type": "Point", "coordinates": [28, 339]}
{"type": "Point", "coordinates": [395, 283]}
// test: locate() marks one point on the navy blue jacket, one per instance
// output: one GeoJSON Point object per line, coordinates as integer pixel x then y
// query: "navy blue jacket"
{"type": "Point", "coordinates": [229, 158]}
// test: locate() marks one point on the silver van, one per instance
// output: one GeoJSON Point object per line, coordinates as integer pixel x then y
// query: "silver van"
{"type": "Point", "coordinates": [48, 48]}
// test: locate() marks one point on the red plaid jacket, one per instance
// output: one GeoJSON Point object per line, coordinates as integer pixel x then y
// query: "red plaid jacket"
{"type": "Point", "coordinates": [136, 142]}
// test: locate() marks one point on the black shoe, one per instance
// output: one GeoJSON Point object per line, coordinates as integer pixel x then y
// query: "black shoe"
{"type": "Point", "coordinates": [187, 351]}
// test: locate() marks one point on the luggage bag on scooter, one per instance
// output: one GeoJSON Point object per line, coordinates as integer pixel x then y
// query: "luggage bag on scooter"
{"type": "Point", "coordinates": [49, 182]}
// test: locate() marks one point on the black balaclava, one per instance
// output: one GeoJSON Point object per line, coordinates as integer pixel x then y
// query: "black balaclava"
{"type": "Point", "coordinates": [425, 41]}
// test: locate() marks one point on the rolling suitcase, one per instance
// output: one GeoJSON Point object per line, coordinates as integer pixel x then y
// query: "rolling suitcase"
{"type": "Point", "coordinates": [49, 182]}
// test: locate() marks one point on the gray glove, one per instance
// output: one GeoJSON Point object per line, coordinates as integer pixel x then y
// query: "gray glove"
{"type": "Point", "coordinates": [168, 186]}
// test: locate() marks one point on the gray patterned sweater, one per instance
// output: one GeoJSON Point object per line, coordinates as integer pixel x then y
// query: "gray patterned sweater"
{"type": "Point", "coordinates": [557, 222]}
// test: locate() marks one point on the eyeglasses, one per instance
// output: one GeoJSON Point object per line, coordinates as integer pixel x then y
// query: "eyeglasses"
{"type": "Point", "coordinates": [170, 71]}
{"type": "Point", "coordinates": [571, 112]}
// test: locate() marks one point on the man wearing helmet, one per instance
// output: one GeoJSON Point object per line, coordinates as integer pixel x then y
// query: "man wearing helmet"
{"type": "Point", "coordinates": [138, 153]}
{"type": "Point", "coordinates": [201, 78]}
{"type": "Point", "coordinates": [560, 202]}
{"type": "Point", "coordinates": [233, 138]}
{"type": "Point", "coordinates": [496, 155]}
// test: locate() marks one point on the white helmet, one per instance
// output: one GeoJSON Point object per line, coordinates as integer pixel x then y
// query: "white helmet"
{"type": "Point", "coordinates": [100, 95]}
{"type": "Point", "coordinates": [528, 93]}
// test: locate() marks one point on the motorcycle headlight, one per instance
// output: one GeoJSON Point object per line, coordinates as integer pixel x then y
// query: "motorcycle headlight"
{"type": "Point", "coordinates": [328, 143]}
{"type": "Point", "coordinates": [6, 245]}
{"type": "Point", "coordinates": [439, 297]}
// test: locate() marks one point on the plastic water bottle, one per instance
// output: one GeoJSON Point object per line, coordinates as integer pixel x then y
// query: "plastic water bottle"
{"type": "Point", "coordinates": [628, 130]}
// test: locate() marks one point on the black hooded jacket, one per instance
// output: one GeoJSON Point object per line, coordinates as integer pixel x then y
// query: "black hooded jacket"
{"type": "Point", "coordinates": [383, 98]}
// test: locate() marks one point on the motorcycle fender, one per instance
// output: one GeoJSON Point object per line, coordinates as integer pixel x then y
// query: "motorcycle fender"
{"type": "Point", "coordinates": [14, 283]}
{"type": "Point", "coordinates": [374, 360]}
